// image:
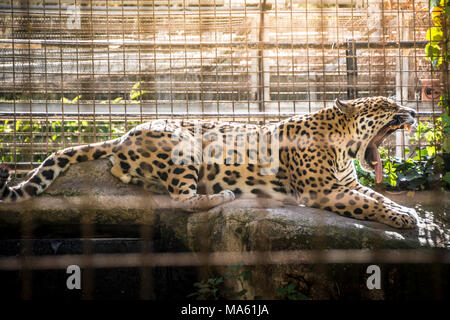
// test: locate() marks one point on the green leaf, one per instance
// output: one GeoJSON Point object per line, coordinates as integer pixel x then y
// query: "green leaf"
{"type": "Point", "coordinates": [446, 119]}
{"type": "Point", "coordinates": [423, 152]}
{"type": "Point", "coordinates": [136, 94]}
{"type": "Point", "coordinates": [447, 178]}
{"type": "Point", "coordinates": [65, 100]}
{"type": "Point", "coordinates": [291, 286]}
{"type": "Point", "coordinates": [432, 51]}
{"type": "Point", "coordinates": [434, 3]}
{"type": "Point", "coordinates": [246, 275]}
{"type": "Point", "coordinates": [393, 182]}
{"type": "Point", "coordinates": [447, 11]}
{"type": "Point", "coordinates": [282, 291]}
{"type": "Point", "coordinates": [137, 85]}
{"type": "Point", "coordinates": [219, 280]}
{"type": "Point", "coordinates": [446, 145]}
{"type": "Point", "coordinates": [435, 34]}
{"type": "Point", "coordinates": [436, 62]}
{"type": "Point", "coordinates": [431, 150]}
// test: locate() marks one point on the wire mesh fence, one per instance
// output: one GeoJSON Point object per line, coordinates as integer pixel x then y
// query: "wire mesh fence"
{"type": "Point", "coordinates": [82, 71]}
{"type": "Point", "coordinates": [76, 72]}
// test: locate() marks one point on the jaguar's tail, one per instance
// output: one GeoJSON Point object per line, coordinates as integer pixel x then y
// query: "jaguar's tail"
{"type": "Point", "coordinates": [50, 169]}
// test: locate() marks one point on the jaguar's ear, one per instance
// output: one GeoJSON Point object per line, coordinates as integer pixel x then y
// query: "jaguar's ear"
{"type": "Point", "coordinates": [343, 106]}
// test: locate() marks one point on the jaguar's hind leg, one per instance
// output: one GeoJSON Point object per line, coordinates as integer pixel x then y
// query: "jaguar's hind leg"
{"type": "Point", "coordinates": [118, 171]}
{"type": "Point", "coordinates": [181, 183]}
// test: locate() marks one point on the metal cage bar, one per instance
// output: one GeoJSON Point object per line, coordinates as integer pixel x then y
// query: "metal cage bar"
{"type": "Point", "coordinates": [75, 72]}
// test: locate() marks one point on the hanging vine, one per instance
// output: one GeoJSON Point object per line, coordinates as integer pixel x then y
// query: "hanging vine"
{"type": "Point", "coordinates": [437, 53]}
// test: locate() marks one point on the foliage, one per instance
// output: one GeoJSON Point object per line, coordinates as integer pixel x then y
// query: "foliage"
{"type": "Point", "coordinates": [365, 178]}
{"type": "Point", "coordinates": [136, 92]}
{"type": "Point", "coordinates": [435, 50]}
{"type": "Point", "coordinates": [438, 55]}
{"type": "Point", "coordinates": [444, 102]}
{"type": "Point", "coordinates": [214, 288]}
{"type": "Point", "coordinates": [431, 163]}
{"type": "Point", "coordinates": [290, 293]}
{"type": "Point", "coordinates": [54, 133]}
{"type": "Point", "coordinates": [400, 175]}
{"type": "Point", "coordinates": [45, 136]}
{"type": "Point", "coordinates": [208, 289]}
{"type": "Point", "coordinates": [421, 171]}
{"type": "Point", "coordinates": [235, 272]}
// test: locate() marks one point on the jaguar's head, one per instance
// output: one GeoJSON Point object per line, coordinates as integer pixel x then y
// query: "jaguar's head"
{"type": "Point", "coordinates": [372, 120]}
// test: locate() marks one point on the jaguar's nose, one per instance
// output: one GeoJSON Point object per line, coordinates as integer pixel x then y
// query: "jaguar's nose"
{"type": "Point", "coordinates": [407, 110]}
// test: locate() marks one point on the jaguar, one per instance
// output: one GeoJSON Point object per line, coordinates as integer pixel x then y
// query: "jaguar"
{"type": "Point", "coordinates": [306, 159]}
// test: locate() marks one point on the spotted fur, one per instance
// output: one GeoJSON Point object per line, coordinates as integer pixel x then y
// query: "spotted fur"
{"type": "Point", "coordinates": [315, 155]}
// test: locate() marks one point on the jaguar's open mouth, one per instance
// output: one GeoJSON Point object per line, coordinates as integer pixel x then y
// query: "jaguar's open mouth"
{"type": "Point", "coordinates": [371, 155]}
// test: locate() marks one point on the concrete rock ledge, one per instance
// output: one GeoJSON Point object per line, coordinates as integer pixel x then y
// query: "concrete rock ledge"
{"type": "Point", "coordinates": [88, 193]}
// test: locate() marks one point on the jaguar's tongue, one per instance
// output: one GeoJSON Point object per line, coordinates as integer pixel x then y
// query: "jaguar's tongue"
{"type": "Point", "coordinates": [377, 162]}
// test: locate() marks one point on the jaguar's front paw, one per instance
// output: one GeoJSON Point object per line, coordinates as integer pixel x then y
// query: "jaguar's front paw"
{"type": "Point", "coordinates": [404, 220]}
{"type": "Point", "coordinates": [227, 195]}
{"type": "Point", "coordinates": [409, 216]}
{"type": "Point", "coordinates": [413, 215]}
